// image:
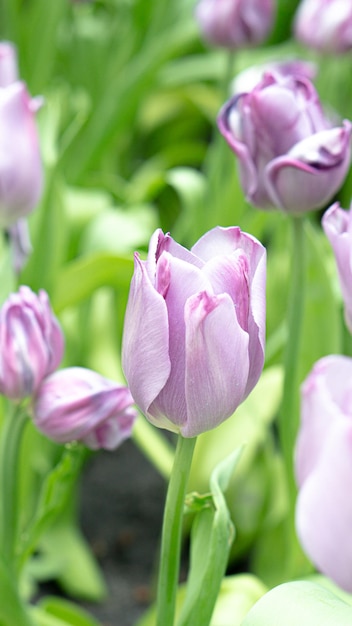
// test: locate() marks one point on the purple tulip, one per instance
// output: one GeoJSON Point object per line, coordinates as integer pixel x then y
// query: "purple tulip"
{"type": "Point", "coordinates": [20, 164]}
{"type": "Point", "coordinates": [235, 23]}
{"type": "Point", "coordinates": [324, 469]}
{"type": "Point", "coordinates": [77, 404]}
{"type": "Point", "coordinates": [31, 343]}
{"type": "Point", "coordinates": [8, 64]}
{"type": "Point", "coordinates": [337, 224]}
{"type": "Point", "coordinates": [193, 344]}
{"type": "Point", "coordinates": [247, 79]}
{"type": "Point", "coordinates": [289, 155]}
{"type": "Point", "coordinates": [325, 25]}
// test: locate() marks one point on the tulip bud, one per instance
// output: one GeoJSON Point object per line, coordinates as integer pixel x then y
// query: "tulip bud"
{"type": "Point", "coordinates": [31, 343]}
{"type": "Point", "coordinates": [290, 156]}
{"type": "Point", "coordinates": [323, 462]}
{"type": "Point", "coordinates": [337, 224]}
{"type": "Point", "coordinates": [247, 79]}
{"type": "Point", "coordinates": [235, 23]}
{"type": "Point", "coordinates": [193, 343]}
{"type": "Point", "coordinates": [8, 64]}
{"type": "Point", "coordinates": [325, 25]}
{"type": "Point", "coordinates": [77, 404]}
{"type": "Point", "coordinates": [20, 166]}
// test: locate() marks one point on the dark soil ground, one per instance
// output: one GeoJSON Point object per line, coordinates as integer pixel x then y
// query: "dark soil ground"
{"type": "Point", "coordinates": [122, 499]}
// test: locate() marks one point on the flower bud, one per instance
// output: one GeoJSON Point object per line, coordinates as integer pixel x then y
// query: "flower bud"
{"type": "Point", "coordinates": [235, 23]}
{"type": "Point", "coordinates": [31, 343]}
{"type": "Point", "coordinates": [290, 156]}
{"type": "Point", "coordinates": [77, 404]}
{"type": "Point", "coordinates": [8, 64]}
{"type": "Point", "coordinates": [337, 224]}
{"type": "Point", "coordinates": [20, 165]}
{"type": "Point", "coordinates": [323, 461]}
{"type": "Point", "coordinates": [325, 25]}
{"type": "Point", "coordinates": [193, 343]}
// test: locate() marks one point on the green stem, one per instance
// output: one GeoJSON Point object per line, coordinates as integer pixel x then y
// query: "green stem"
{"type": "Point", "coordinates": [154, 446]}
{"type": "Point", "coordinates": [11, 437]}
{"type": "Point", "coordinates": [289, 414]}
{"type": "Point", "coordinates": [172, 532]}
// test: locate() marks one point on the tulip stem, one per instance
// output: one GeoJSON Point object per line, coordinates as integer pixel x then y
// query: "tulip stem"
{"type": "Point", "coordinates": [172, 532]}
{"type": "Point", "coordinates": [289, 413]}
{"type": "Point", "coordinates": [11, 436]}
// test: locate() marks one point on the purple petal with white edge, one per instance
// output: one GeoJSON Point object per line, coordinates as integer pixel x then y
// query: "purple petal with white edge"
{"type": "Point", "coordinates": [184, 280]}
{"type": "Point", "coordinates": [311, 173]}
{"type": "Point", "coordinates": [160, 243]}
{"type": "Point", "coordinates": [323, 402]}
{"type": "Point", "coordinates": [145, 346]}
{"type": "Point", "coordinates": [217, 362]}
{"type": "Point", "coordinates": [324, 508]}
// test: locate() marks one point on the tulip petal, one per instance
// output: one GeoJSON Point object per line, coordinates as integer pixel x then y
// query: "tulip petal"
{"type": "Point", "coordinates": [217, 362]}
{"type": "Point", "coordinates": [310, 174]}
{"type": "Point", "coordinates": [324, 508]}
{"type": "Point", "coordinates": [145, 347]}
{"type": "Point", "coordinates": [183, 280]}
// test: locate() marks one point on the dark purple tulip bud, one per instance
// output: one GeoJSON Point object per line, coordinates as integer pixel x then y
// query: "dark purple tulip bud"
{"type": "Point", "coordinates": [77, 404]}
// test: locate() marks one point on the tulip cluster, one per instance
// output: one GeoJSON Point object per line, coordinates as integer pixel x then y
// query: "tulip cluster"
{"type": "Point", "coordinates": [70, 404]}
{"type": "Point", "coordinates": [193, 343]}
{"type": "Point", "coordinates": [290, 155]}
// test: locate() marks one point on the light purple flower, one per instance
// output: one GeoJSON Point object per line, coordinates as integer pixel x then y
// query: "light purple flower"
{"type": "Point", "coordinates": [21, 177]}
{"type": "Point", "coordinates": [337, 224]}
{"type": "Point", "coordinates": [247, 79]}
{"type": "Point", "coordinates": [289, 155]}
{"type": "Point", "coordinates": [8, 64]}
{"type": "Point", "coordinates": [235, 23]}
{"type": "Point", "coordinates": [31, 343]}
{"type": "Point", "coordinates": [325, 25]}
{"type": "Point", "coordinates": [323, 463]}
{"type": "Point", "coordinates": [193, 344]}
{"type": "Point", "coordinates": [77, 404]}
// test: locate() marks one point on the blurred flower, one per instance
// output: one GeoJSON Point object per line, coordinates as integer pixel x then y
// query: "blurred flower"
{"type": "Point", "coordinates": [324, 469]}
{"type": "Point", "coordinates": [20, 163]}
{"type": "Point", "coordinates": [235, 23]}
{"type": "Point", "coordinates": [247, 79]}
{"type": "Point", "coordinates": [8, 64]}
{"type": "Point", "coordinates": [337, 224]}
{"type": "Point", "coordinates": [77, 404]}
{"type": "Point", "coordinates": [325, 25]}
{"type": "Point", "coordinates": [18, 234]}
{"type": "Point", "coordinates": [31, 343]}
{"type": "Point", "coordinates": [193, 344]}
{"type": "Point", "coordinates": [289, 155]}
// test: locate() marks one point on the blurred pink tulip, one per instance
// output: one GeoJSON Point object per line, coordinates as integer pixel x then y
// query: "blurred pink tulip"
{"type": "Point", "coordinates": [8, 64]}
{"type": "Point", "coordinates": [77, 404]}
{"type": "Point", "coordinates": [31, 343]}
{"type": "Point", "coordinates": [325, 25]}
{"type": "Point", "coordinates": [193, 344]}
{"type": "Point", "coordinates": [323, 463]}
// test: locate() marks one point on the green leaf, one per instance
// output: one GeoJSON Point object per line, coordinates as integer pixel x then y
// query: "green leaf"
{"type": "Point", "coordinates": [54, 611]}
{"type": "Point", "coordinates": [299, 603]}
{"type": "Point", "coordinates": [211, 538]}
{"type": "Point", "coordinates": [12, 611]}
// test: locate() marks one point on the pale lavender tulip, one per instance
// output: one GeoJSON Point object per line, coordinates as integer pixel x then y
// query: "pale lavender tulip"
{"type": "Point", "coordinates": [325, 25]}
{"type": "Point", "coordinates": [247, 79]}
{"type": "Point", "coordinates": [77, 404]}
{"type": "Point", "coordinates": [289, 155]}
{"type": "Point", "coordinates": [193, 344]}
{"type": "Point", "coordinates": [323, 463]}
{"type": "Point", "coordinates": [8, 64]}
{"type": "Point", "coordinates": [20, 162]}
{"type": "Point", "coordinates": [337, 224]}
{"type": "Point", "coordinates": [31, 343]}
{"type": "Point", "coordinates": [235, 23]}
